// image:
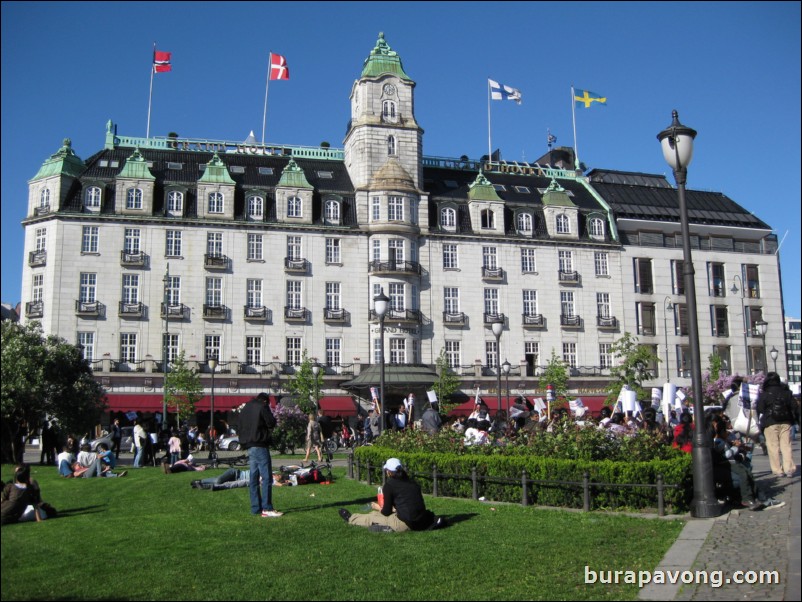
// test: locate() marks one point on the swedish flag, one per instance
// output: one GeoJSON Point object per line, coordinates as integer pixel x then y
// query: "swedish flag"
{"type": "Point", "coordinates": [585, 98]}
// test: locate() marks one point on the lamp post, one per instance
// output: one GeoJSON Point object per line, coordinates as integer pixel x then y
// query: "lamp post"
{"type": "Point", "coordinates": [677, 144]}
{"type": "Point", "coordinates": [380, 306]}
{"type": "Point", "coordinates": [505, 367]}
{"type": "Point", "coordinates": [316, 372]}
{"type": "Point", "coordinates": [735, 290]}
{"type": "Point", "coordinates": [774, 353]}
{"type": "Point", "coordinates": [212, 455]}
{"type": "Point", "coordinates": [762, 326]}
{"type": "Point", "coordinates": [667, 306]}
{"type": "Point", "coordinates": [498, 326]}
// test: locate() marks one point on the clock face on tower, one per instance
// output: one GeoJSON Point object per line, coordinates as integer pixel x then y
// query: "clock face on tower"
{"type": "Point", "coordinates": [389, 89]}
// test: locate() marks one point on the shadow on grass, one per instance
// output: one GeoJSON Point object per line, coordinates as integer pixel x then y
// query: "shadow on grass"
{"type": "Point", "coordinates": [85, 510]}
{"type": "Point", "coordinates": [338, 504]}
{"type": "Point", "coordinates": [459, 518]}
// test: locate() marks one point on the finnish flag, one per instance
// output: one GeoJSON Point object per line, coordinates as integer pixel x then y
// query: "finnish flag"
{"type": "Point", "coordinates": [501, 92]}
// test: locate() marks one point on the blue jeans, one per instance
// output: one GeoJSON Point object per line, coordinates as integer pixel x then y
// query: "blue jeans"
{"type": "Point", "coordinates": [138, 458]}
{"type": "Point", "coordinates": [64, 469]}
{"type": "Point", "coordinates": [261, 466]}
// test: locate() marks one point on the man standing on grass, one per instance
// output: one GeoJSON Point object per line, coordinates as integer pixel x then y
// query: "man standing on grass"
{"type": "Point", "coordinates": [256, 423]}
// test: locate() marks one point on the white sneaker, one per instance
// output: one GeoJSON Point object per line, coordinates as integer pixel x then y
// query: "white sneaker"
{"type": "Point", "coordinates": [772, 504]}
{"type": "Point", "coordinates": [271, 514]}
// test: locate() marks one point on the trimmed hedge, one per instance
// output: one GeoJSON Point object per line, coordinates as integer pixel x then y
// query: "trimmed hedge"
{"type": "Point", "coordinates": [676, 470]}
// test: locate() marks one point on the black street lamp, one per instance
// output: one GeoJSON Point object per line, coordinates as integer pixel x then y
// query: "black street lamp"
{"type": "Point", "coordinates": [677, 144]}
{"type": "Point", "coordinates": [380, 306]}
{"type": "Point", "coordinates": [505, 367]}
{"type": "Point", "coordinates": [761, 326]}
{"type": "Point", "coordinates": [667, 306]}
{"type": "Point", "coordinates": [498, 326]}
{"type": "Point", "coordinates": [316, 371]}
{"type": "Point", "coordinates": [212, 454]}
{"type": "Point", "coordinates": [774, 354]}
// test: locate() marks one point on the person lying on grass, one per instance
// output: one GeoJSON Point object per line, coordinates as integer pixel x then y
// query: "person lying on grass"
{"type": "Point", "coordinates": [181, 465]}
{"type": "Point", "coordinates": [403, 508]}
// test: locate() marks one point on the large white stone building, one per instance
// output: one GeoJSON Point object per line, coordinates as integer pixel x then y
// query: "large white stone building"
{"type": "Point", "coordinates": [253, 254]}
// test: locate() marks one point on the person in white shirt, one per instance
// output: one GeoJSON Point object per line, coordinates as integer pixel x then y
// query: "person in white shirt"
{"type": "Point", "coordinates": [64, 461]}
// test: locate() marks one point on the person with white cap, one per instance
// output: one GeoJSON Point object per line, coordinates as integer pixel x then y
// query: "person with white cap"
{"type": "Point", "coordinates": [403, 509]}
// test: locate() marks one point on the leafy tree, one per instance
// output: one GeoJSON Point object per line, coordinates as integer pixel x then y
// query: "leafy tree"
{"type": "Point", "coordinates": [715, 366]}
{"type": "Point", "coordinates": [556, 375]}
{"type": "Point", "coordinates": [290, 431]}
{"type": "Point", "coordinates": [44, 376]}
{"type": "Point", "coordinates": [447, 382]}
{"type": "Point", "coordinates": [632, 369]}
{"type": "Point", "coordinates": [305, 386]}
{"type": "Point", "coordinates": [183, 388]}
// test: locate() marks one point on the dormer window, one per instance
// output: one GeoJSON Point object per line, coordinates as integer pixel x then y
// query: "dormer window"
{"type": "Point", "coordinates": [488, 219]}
{"type": "Point", "coordinates": [524, 223]}
{"type": "Point", "coordinates": [294, 207]}
{"type": "Point", "coordinates": [448, 218]}
{"type": "Point", "coordinates": [92, 197]}
{"type": "Point", "coordinates": [133, 199]}
{"type": "Point", "coordinates": [391, 148]}
{"type": "Point", "coordinates": [596, 227]}
{"type": "Point", "coordinates": [175, 202]}
{"type": "Point", "coordinates": [256, 207]}
{"type": "Point", "coordinates": [563, 224]}
{"type": "Point", "coordinates": [331, 211]}
{"type": "Point", "coordinates": [44, 198]}
{"type": "Point", "coordinates": [388, 111]}
{"type": "Point", "coordinates": [216, 202]}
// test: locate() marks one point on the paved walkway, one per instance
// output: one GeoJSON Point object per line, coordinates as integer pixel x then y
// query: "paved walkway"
{"type": "Point", "coordinates": [766, 540]}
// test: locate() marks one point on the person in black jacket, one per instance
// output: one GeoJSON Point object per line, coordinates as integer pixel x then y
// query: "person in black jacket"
{"type": "Point", "coordinates": [256, 423]}
{"type": "Point", "coordinates": [777, 412]}
{"type": "Point", "coordinates": [403, 508]}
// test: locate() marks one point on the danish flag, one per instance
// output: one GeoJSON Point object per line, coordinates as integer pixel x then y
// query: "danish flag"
{"type": "Point", "coordinates": [278, 67]}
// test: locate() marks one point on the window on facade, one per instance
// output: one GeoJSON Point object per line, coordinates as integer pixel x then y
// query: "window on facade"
{"type": "Point", "coordinates": [173, 243]}
{"type": "Point", "coordinates": [569, 354]}
{"type": "Point", "coordinates": [398, 351]}
{"type": "Point", "coordinates": [601, 264]}
{"type": "Point", "coordinates": [175, 202]}
{"type": "Point", "coordinates": [528, 263]}
{"type": "Point", "coordinates": [88, 290]}
{"type": "Point", "coordinates": [396, 249]}
{"type": "Point", "coordinates": [683, 361]}
{"type": "Point", "coordinates": [491, 301]}
{"type": "Point", "coordinates": [453, 354]}
{"type": "Point", "coordinates": [130, 288]}
{"type": "Point", "coordinates": [567, 303]}
{"type": "Point", "coordinates": [605, 356]}
{"type": "Point", "coordinates": [524, 223]}
{"type": "Point", "coordinates": [253, 350]}
{"type": "Point", "coordinates": [253, 295]}
{"type": "Point", "coordinates": [294, 207]}
{"type": "Point", "coordinates": [644, 283]}
{"type": "Point", "coordinates": [530, 302]}
{"type": "Point", "coordinates": [681, 319]}
{"type": "Point", "coordinates": [333, 296]}
{"type": "Point", "coordinates": [170, 342]}
{"type": "Point", "coordinates": [646, 318]}
{"type": "Point", "coordinates": [448, 218]}
{"type": "Point", "coordinates": [333, 255]}
{"type": "Point", "coordinates": [451, 300]}
{"type": "Point", "coordinates": [596, 227]}
{"type": "Point", "coordinates": [491, 354]}
{"type": "Point", "coordinates": [44, 198]}
{"type": "Point", "coordinates": [716, 280]}
{"type": "Point", "coordinates": [718, 320]}
{"type": "Point", "coordinates": [376, 250]}
{"type": "Point", "coordinates": [603, 305]}
{"type": "Point", "coordinates": [755, 315]}
{"type": "Point", "coordinates": [677, 279]}
{"type": "Point", "coordinates": [38, 289]}
{"type": "Point", "coordinates": [131, 240]}
{"type": "Point", "coordinates": [565, 261]}
{"type": "Point", "coordinates": [375, 208]}
{"type": "Point", "coordinates": [86, 343]}
{"type": "Point", "coordinates": [92, 198]}
{"type": "Point", "coordinates": [388, 111]}
{"type": "Point", "coordinates": [723, 352]}
{"type": "Point", "coordinates": [256, 207]}
{"type": "Point", "coordinates": [563, 224]}
{"type": "Point", "coordinates": [334, 350]}
{"type": "Point", "coordinates": [133, 198]}
{"type": "Point", "coordinates": [173, 292]}
{"type": "Point", "coordinates": [89, 240]}
{"type": "Point", "coordinates": [255, 247]}
{"type": "Point", "coordinates": [214, 291]}
{"type": "Point", "coordinates": [391, 146]}
{"type": "Point", "coordinates": [216, 202]}
{"type": "Point", "coordinates": [294, 294]}
{"type": "Point", "coordinates": [294, 247]}
{"type": "Point", "coordinates": [488, 219]}
{"type": "Point", "coordinates": [489, 258]}
{"type": "Point", "coordinates": [532, 356]}
{"type": "Point", "coordinates": [332, 212]}
{"type": "Point", "coordinates": [397, 297]}
{"type": "Point", "coordinates": [752, 280]}
{"type": "Point", "coordinates": [128, 347]}
{"type": "Point", "coordinates": [41, 239]}
{"type": "Point", "coordinates": [214, 244]}
{"type": "Point", "coordinates": [212, 347]}
{"type": "Point", "coordinates": [450, 257]}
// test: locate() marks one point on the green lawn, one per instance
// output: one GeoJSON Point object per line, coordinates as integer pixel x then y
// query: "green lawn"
{"type": "Point", "coordinates": [150, 536]}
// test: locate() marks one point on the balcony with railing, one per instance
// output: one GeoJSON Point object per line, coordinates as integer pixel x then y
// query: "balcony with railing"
{"type": "Point", "coordinates": [34, 309]}
{"type": "Point", "coordinates": [607, 322]}
{"type": "Point", "coordinates": [133, 260]}
{"type": "Point", "coordinates": [336, 316]}
{"type": "Point", "coordinates": [214, 312]}
{"type": "Point", "coordinates": [533, 321]}
{"type": "Point", "coordinates": [296, 266]}
{"type": "Point", "coordinates": [454, 318]}
{"type": "Point", "coordinates": [174, 311]}
{"type": "Point", "coordinates": [215, 262]}
{"type": "Point", "coordinates": [131, 310]}
{"type": "Point", "coordinates": [89, 309]}
{"type": "Point", "coordinates": [37, 258]}
{"type": "Point", "coordinates": [492, 274]}
{"type": "Point", "coordinates": [41, 210]}
{"type": "Point", "coordinates": [258, 314]}
{"type": "Point", "coordinates": [571, 321]}
{"type": "Point", "coordinates": [399, 316]}
{"type": "Point", "coordinates": [568, 277]}
{"type": "Point", "coordinates": [490, 318]}
{"type": "Point", "coordinates": [394, 267]}
{"type": "Point", "coordinates": [296, 314]}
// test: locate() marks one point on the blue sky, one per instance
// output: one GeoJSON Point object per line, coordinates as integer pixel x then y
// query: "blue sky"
{"type": "Point", "coordinates": [731, 69]}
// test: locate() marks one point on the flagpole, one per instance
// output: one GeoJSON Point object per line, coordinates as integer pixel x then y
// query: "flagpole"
{"type": "Point", "coordinates": [267, 85]}
{"type": "Point", "coordinates": [489, 145]}
{"type": "Point", "coordinates": [573, 115]}
{"type": "Point", "coordinates": [150, 95]}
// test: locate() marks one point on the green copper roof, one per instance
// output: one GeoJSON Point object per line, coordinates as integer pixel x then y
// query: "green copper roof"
{"type": "Point", "coordinates": [216, 172]}
{"type": "Point", "coordinates": [293, 177]}
{"type": "Point", "coordinates": [482, 190]}
{"type": "Point", "coordinates": [136, 167]}
{"type": "Point", "coordinates": [383, 59]}
{"type": "Point", "coordinates": [555, 195]}
{"type": "Point", "coordinates": [63, 162]}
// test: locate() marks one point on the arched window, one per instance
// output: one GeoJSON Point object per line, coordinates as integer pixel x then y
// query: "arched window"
{"type": "Point", "coordinates": [216, 202]}
{"type": "Point", "coordinates": [524, 223]}
{"type": "Point", "coordinates": [44, 198]}
{"type": "Point", "coordinates": [448, 218]}
{"type": "Point", "coordinates": [133, 198]}
{"type": "Point", "coordinates": [332, 211]}
{"type": "Point", "coordinates": [92, 197]}
{"type": "Point", "coordinates": [388, 111]}
{"type": "Point", "coordinates": [488, 219]}
{"type": "Point", "coordinates": [256, 206]}
{"type": "Point", "coordinates": [596, 227]}
{"type": "Point", "coordinates": [563, 224]}
{"type": "Point", "coordinates": [391, 148]}
{"type": "Point", "coordinates": [294, 207]}
{"type": "Point", "coordinates": [175, 201]}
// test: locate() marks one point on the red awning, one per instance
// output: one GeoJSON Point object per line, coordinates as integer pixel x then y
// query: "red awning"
{"type": "Point", "coordinates": [338, 406]}
{"type": "Point", "coordinates": [153, 402]}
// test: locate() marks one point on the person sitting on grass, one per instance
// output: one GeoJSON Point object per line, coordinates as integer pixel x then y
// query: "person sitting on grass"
{"type": "Point", "coordinates": [403, 509]}
{"type": "Point", "coordinates": [182, 465]}
{"type": "Point", "coordinates": [21, 499]}
{"type": "Point", "coordinates": [65, 461]}
{"type": "Point", "coordinates": [90, 465]}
